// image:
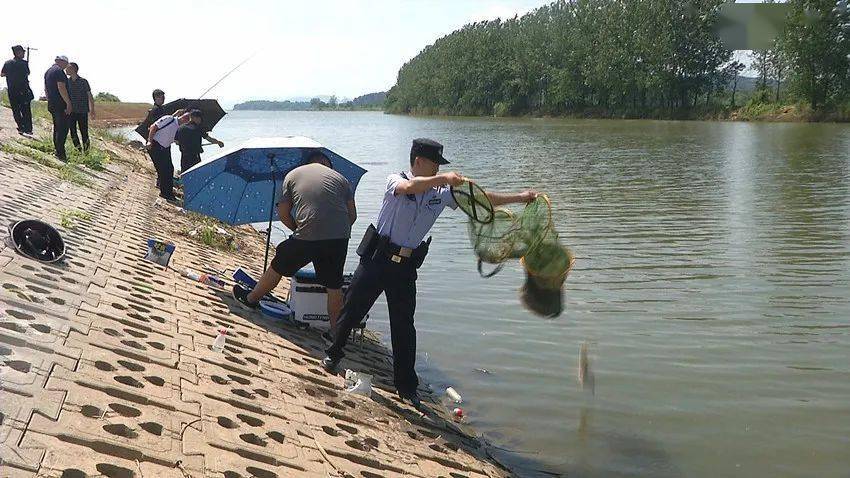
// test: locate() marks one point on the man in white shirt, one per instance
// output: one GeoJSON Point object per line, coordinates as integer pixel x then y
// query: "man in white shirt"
{"type": "Point", "coordinates": [160, 137]}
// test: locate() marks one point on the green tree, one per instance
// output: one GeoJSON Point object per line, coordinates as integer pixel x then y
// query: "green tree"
{"type": "Point", "coordinates": [106, 97]}
{"type": "Point", "coordinates": [816, 46]}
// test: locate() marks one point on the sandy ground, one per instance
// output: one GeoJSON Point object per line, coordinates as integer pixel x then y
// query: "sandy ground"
{"type": "Point", "coordinates": [106, 367]}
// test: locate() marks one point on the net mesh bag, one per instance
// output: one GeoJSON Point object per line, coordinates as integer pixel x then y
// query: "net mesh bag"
{"type": "Point", "coordinates": [528, 235]}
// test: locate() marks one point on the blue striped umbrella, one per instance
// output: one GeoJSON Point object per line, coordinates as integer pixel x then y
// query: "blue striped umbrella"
{"type": "Point", "coordinates": [239, 185]}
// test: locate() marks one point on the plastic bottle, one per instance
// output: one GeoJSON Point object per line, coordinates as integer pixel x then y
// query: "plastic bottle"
{"type": "Point", "coordinates": [215, 282]}
{"type": "Point", "coordinates": [204, 278]}
{"type": "Point", "coordinates": [452, 393]}
{"type": "Point", "coordinates": [218, 344]}
{"type": "Point", "coordinates": [194, 275]}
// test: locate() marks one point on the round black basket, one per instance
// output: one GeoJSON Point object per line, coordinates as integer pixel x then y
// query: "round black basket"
{"type": "Point", "coordinates": [37, 240]}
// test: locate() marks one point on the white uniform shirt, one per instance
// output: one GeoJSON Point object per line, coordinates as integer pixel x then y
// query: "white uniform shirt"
{"type": "Point", "coordinates": [407, 221]}
{"type": "Point", "coordinates": [166, 130]}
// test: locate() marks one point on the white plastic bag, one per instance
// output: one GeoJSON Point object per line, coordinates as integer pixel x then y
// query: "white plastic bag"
{"type": "Point", "coordinates": [358, 383]}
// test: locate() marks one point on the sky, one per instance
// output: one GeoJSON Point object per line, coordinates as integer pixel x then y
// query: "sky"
{"type": "Point", "coordinates": [297, 48]}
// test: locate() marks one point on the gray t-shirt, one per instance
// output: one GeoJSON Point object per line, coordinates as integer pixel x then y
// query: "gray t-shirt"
{"type": "Point", "coordinates": [319, 197]}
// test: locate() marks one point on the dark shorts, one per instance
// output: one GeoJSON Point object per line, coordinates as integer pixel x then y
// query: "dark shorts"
{"type": "Point", "coordinates": [328, 258]}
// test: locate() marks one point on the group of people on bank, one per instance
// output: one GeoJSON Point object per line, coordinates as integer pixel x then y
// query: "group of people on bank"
{"type": "Point", "coordinates": [183, 127]}
{"type": "Point", "coordinates": [69, 99]}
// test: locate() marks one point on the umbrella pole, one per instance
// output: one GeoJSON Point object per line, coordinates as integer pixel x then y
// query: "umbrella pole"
{"type": "Point", "coordinates": [269, 230]}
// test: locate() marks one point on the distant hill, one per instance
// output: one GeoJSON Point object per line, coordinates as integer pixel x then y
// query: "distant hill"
{"type": "Point", "coordinates": [749, 83]}
{"type": "Point", "coordinates": [266, 105]}
{"type": "Point", "coordinates": [372, 101]}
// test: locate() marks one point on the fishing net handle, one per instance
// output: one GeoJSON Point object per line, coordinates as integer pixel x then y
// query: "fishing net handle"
{"type": "Point", "coordinates": [474, 202]}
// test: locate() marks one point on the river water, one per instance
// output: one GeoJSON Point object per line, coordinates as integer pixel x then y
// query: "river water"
{"type": "Point", "coordinates": [712, 283]}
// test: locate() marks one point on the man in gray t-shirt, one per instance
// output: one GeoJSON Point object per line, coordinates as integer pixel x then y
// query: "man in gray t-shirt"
{"type": "Point", "coordinates": [317, 204]}
{"type": "Point", "coordinates": [318, 198]}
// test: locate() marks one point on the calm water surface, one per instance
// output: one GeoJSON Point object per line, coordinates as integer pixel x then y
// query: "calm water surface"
{"type": "Point", "coordinates": [712, 283]}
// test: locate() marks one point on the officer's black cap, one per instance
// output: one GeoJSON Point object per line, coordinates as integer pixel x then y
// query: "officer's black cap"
{"type": "Point", "coordinates": [17, 48]}
{"type": "Point", "coordinates": [428, 148]}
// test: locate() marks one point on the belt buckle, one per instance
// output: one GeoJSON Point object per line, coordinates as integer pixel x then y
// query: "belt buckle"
{"type": "Point", "coordinates": [396, 258]}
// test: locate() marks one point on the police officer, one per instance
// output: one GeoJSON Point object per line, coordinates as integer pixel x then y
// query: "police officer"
{"type": "Point", "coordinates": [17, 73]}
{"type": "Point", "coordinates": [391, 253]}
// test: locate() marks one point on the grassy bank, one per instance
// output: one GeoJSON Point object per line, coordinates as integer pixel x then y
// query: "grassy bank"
{"type": "Point", "coordinates": [109, 113]}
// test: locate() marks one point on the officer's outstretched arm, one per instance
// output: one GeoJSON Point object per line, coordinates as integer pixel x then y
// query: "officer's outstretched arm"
{"type": "Point", "coordinates": [498, 199]}
{"type": "Point", "coordinates": [420, 184]}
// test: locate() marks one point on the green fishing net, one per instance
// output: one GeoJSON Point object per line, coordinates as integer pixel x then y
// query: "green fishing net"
{"type": "Point", "coordinates": [499, 234]}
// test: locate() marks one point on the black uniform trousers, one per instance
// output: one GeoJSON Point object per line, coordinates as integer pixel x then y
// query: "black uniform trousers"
{"type": "Point", "coordinates": [187, 160]}
{"type": "Point", "coordinates": [398, 282]}
{"type": "Point", "coordinates": [60, 129]}
{"type": "Point", "coordinates": [161, 158]}
{"type": "Point", "coordinates": [21, 111]}
{"type": "Point", "coordinates": [81, 119]}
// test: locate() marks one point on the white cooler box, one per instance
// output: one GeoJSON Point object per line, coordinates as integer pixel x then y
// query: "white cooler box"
{"type": "Point", "coordinates": [309, 300]}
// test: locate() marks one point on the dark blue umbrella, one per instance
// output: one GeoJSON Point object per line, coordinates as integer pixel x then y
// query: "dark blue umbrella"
{"type": "Point", "coordinates": [239, 185]}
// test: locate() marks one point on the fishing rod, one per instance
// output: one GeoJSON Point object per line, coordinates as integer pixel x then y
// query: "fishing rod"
{"type": "Point", "coordinates": [228, 74]}
{"type": "Point", "coordinates": [28, 52]}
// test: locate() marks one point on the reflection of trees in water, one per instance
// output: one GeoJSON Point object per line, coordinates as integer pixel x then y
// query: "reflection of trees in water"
{"type": "Point", "coordinates": [805, 199]}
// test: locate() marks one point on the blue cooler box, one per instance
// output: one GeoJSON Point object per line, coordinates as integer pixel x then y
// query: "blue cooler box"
{"type": "Point", "coordinates": [309, 299]}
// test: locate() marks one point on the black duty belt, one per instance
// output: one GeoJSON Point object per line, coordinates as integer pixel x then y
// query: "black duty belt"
{"type": "Point", "coordinates": [398, 254]}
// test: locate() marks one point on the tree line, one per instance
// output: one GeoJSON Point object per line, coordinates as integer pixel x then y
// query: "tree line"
{"type": "Point", "coordinates": [635, 58]}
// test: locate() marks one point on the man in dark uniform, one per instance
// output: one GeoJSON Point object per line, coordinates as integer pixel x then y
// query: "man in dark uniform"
{"type": "Point", "coordinates": [189, 138]}
{"type": "Point", "coordinates": [157, 111]}
{"type": "Point", "coordinates": [17, 72]}
{"type": "Point", "coordinates": [391, 253]}
{"type": "Point", "coordinates": [58, 103]}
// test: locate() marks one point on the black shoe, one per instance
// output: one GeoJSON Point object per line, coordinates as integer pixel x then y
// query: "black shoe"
{"type": "Point", "coordinates": [331, 365]}
{"type": "Point", "coordinates": [240, 294]}
{"type": "Point", "coordinates": [413, 398]}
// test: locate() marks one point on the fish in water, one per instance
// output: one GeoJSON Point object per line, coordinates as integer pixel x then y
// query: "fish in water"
{"type": "Point", "coordinates": [585, 374]}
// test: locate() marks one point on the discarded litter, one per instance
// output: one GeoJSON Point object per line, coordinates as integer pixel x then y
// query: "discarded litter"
{"type": "Point", "coordinates": [452, 393]}
{"type": "Point", "coordinates": [207, 279]}
{"type": "Point", "coordinates": [159, 252]}
{"type": "Point", "coordinates": [358, 383]}
{"type": "Point", "coordinates": [218, 344]}
{"type": "Point", "coordinates": [457, 414]}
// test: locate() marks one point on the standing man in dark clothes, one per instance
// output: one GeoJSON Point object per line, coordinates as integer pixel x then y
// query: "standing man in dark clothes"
{"type": "Point", "coordinates": [58, 103]}
{"type": "Point", "coordinates": [17, 72]}
{"type": "Point", "coordinates": [160, 137]}
{"type": "Point", "coordinates": [189, 138]}
{"type": "Point", "coordinates": [82, 103]}
{"type": "Point", "coordinates": [157, 111]}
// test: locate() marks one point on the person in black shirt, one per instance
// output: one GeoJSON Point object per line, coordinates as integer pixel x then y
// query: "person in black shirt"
{"type": "Point", "coordinates": [157, 111]}
{"type": "Point", "coordinates": [82, 104]}
{"type": "Point", "coordinates": [17, 73]}
{"type": "Point", "coordinates": [58, 103]}
{"type": "Point", "coordinates": [189, 138]}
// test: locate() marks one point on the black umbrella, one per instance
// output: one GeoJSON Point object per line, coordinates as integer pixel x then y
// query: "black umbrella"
{"type": "Point", "coordinates": [212, 111]}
